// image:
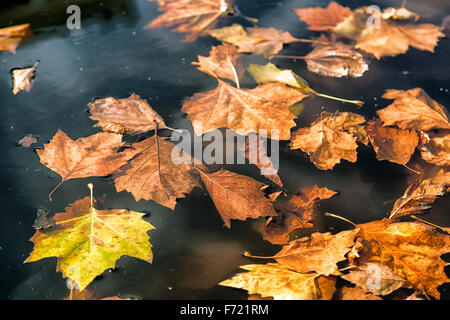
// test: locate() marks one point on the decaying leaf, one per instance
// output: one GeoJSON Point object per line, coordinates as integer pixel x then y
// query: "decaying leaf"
{"type": "Point", "coordinates": [12, 37]}
{"type": "Point", "coordinates": [413, 109]}
{"type": "Point", "coordinates": [265, 41]}
{"type": "Point", "coordinates": [153, 175]}
{"type": "Point", "coordinates": [275, 280]}
{"type": "Point", "coordinates": [42, 220]}
{"type": "Point", "coordinates": [132, 115]}
{"type": "Point", "coordinates": [323, 19]}
{"type": "Point", "coordinates": [436, 148]}
{"type": "Point", "coordinates": [194, 17]}
{"type": "Point", "coordinates": [221, 63]}
{"type": "Point", "coordinates": [93, 156]}
{"type": "Point", "coordinates": [390, 143]}
{"type": "Point", "coordinates": [236, 196]}
{"type": "Point", "coordinates": [88, 241]}
{"type": "Point", "coordinates": [23, 78]}
{"type": "Point", "coordinates": [27, 141]}
{"type": "Point", "coordinates": [375, 278]}
{"type": "Point", "coordinates": [297, 213]}
{"type": "Point", "coordinates": [329, 139]}
{"type": "Point", "coordinates": [260, 110]}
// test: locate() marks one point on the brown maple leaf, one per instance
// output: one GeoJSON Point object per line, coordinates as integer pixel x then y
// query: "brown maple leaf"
{"type": "Point", "coordinates": [436, 148]}
{"type": "Point", "coordinates": [390, 143]}
{"type": "Point", "coordinates": [297, 213]}
{"type": "Point", "coordinates": [236, 196]}
{"type": "Point", "coordinates": [264, 41]}
{"type": "Point", "coordinates": [153, 175]}
{"type": "Point", "coordinates": [329, 139]}
{"type": "Point", "coordinates": [23, 78]}
{"type": "Point", "coordinates": [413, 109]}
{"type": "Point", "coordinates": [93, 156]}
{"type": "Point", "coordinates": [194, 17]}
{"type": "Point", "coordinates": [261, 110]}
{"type": "Point", "coordinates": [132, 115]}
{"type": "Point", "coordinates": [12, 37]}
{"type": "Point", "coordinates": [221, 63]}
{"type": "Point", "coordinates": [323, 19]}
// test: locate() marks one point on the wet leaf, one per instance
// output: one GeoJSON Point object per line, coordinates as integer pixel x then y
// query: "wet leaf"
{"type": "Point", "coordinates": [132, 115]}
{"type": "Point", "coordinates": [153, 175]}
{"type": "Point", "coordinates": [42, 221]}
{"type": "Point", "coordinates": [347, 293]}
{"type": "Point", "coordinates": [323, 19]}
{"type": "Point", "coordinates": [260, 110]}
{"type": "Point", "coordinates": [399, 14]}
{"type": "Point", "coordinates": [436, 148]}
{"type": "Point", "coordinates": [88, 241]}
{"type": "Point", "coordinates": [329, 139]}
{"type": "Point", "coordinates": [27, 141]}
{"type": "Point", "coordinates": [12, 37]}
{"type": "Point", "coordinates": [265, 41]}
{"type": "Point", "coordinates": [23, 78]}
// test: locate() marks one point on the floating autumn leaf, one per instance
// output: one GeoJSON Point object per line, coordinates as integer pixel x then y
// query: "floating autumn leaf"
{"type": "Point", "coordinates": [27, 141]}
{"type": "Point", "coordinates": [323, 19]}
{"type": "Point", "coordinates": [297, 213]}
{"type": "Point", "coordinates": [329, 139]}
{"type": "Point", "coordinates": [375, 278]}
{"type": "Point", "coordinates": [221, 63]}
{"type": "Point", "coordinates": [254, 150]}
{"type": "Point", "coordinates": [413, 109]}
{"type": "Point", "coordinates": [277, 281]}
{"type": "Point", "coordinates": [347, 293]}
{"type": "Point", "coordinates": [23, 78]}
{"type": "Point", "coordinates": [421, 195]}
{"type": "Point", "coordinates": [153, 175]}
{"type": "Point", "coordinates": [265, 41]}
{"type": "Point", "coordinates": [390, 143]}
{"type": "Point", "coordinates": [194, 17]}
{"type": "Point", "coordinates": [132, 115]}
{"type": "Point", "coordinates": [12, 37]}
{"type": "Point", "coordinates": [436, 148]}
{"type": "Point", "coordinates": [269, 73]}
{"type": "Point", "coordinates": [236, 196]}
{"type": "Point", "coordinates": [412, 250]}
{"type": "Point", "coordinates": [88, 241]}
{"type": "Point", "coordinates": [260, 110]}
{"type": "Point", "coordinates": [95, 155]}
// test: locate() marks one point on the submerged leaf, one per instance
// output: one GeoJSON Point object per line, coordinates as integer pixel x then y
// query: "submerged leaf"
{"type": "Point", "coordinates": [323, 19]}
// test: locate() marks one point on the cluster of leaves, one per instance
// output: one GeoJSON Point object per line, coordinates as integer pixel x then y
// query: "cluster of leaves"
{"type": "Point", "coordinates": [87, 240]}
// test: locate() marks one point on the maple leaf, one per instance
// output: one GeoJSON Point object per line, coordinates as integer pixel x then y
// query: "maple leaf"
{"type": "Point", "coordinates": [132, 115]}
{"type": "Point", "coordinates": [275, 280]}
{"type": "Point", "coordinates": [255, 151]}
{"type": "Point", "coordinates": [88, 241]}
{"type": "Point", "coordinates": [261, 110]}
{"type": "Point", "coordinates": [221, 63]}
{"type": "Point", "coordinates": [264, 41]}
{"type": "Point", "coordinates": [436, 148]}
{"type": "Point", "coordinates": [322, 19]}
{"type": "Point", "coordinates": [297, 213]}
{"type": "Point", "coordinates": [329, 139]}
{"type": "Point", "coordinates": [93, 156]}
{"type": "Point", "coordinates": [412, 250]}
{"type": "Point", "coordinates": [23, 78]}
{"type": "Point", "coordinates": [236, 196]}
{"type": "Point", "coordinates": [347, 293]}
{"type": "Point", "coordinates": [152, 174]}
{"type": "Point", "coordinates": [12, 37]}
{"type": "Point", "coordinates": [375, 278]}
{"type": "Point", "coordinates": [390, 143]}
{"type": "Point", "coordinates": [413, 109]}
{"type": "Point", "coordinates": [194, 17]}
{"type": "Point", "coordinates": [27, 141]}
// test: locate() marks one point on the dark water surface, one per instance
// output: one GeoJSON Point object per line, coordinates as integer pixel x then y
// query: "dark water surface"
{"type": "Point", "coordinates": [113, 55]}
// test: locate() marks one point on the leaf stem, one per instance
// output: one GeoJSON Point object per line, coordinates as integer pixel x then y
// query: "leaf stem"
{"type": "Point", "coordinates": [429, 223]}
{"type": "Point", "coordinates": [340, 218]}
{"type": "Point", "coordinates": [91, 187]}
{"type": "Point", "coordinates": [54, 189]}
{"type": "Point", "coordinates": [357, 102]}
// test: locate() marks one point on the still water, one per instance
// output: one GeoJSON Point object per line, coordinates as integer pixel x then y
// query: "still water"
{"type": "Point", "coordinates": [113, 55]}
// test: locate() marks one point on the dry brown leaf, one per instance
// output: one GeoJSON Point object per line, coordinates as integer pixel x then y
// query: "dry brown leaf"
{"type": "Point", "coordinates": [413, 109]}
{"type": "Point", "coordinates": [347, 293]}
{"type": "Point", "coordinates": [319, 253]}
{"type": "Point", "coordinates": [194, 17]}
{"type": "Point", "coordinates": [436, 148]}
{"type": "Point", "coordinates": [329, 139]}
{"type": "Point", "coordinates": [236, 196]}
{"type": "Point", "coordinates": [322, 19]}
{"type": "Point", "coordinates": [390, 143]}
{"type": "Point", "coordinates": [153, 175]}
{"type": "Point", "coordinates": [132, 115]}
{"type": "Point", "coordinates": [375, 278]}
{"type": "Point", "coordinates": [265, 41]}
{"type": "Point", "coordinates": [23, 78]}
{"type": "Point", "coordinates": [261, 110]}
{"type": "Point", "coordinates": [12, 37]}
{"type": "Point", "coordinates": [27, 141]}
{"type": "Point", "coordinates": [93, 156]}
